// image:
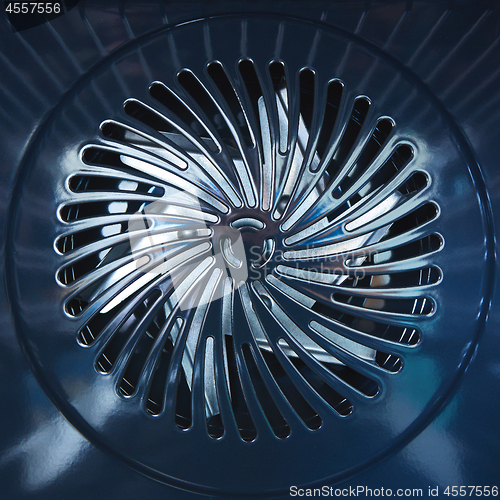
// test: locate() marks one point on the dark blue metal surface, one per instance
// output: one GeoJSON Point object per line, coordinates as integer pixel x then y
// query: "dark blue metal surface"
{"type": "Point", "coordinates": [432, 67]}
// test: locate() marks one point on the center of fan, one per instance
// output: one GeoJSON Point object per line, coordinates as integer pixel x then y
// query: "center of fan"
{"type": "Point", "coordinates": [247, 240]}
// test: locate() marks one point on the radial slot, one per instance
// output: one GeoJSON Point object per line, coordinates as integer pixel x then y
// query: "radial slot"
{"type": "Point", "coordinates": [82, 238]}
{"type": "Point", "coordinates": [333, 97]}
{"type": "Point", "coordinates": [306, 110]}
{"type": "Point", "coordinates": [208, 106]}
{"type": "Point", "coordinates": [369, 153]}
{"type": "Point", "coordinates": [356, 120]}
{"type": "Point", "coordinates": [157, 389]}
{"type": "Point", "coordinates": [244, 421]}
{"type": "Point", "coordinates": [221, 80]}
{"type": "Point", "coordinates": [102, 183]}
{"type": "Point", "coordinates": [136, 138]}
{"type": "Point", "coordinates": [259, 116]}
{"type": "Point", "coordinates": [337, 402]}
{"type": "Point", "coordinates": [181, 111]}
{"type": "Point", "coordinates": [224, 128]}
{"type": "Point", "coordinates": [254, 91]}
{"type": "Point", "coordinates": [274, 178]}
{"type": "Point", "coordinates": [144, 344]}
{"type": "Point", "coordinates": [214, 426]}
{"type": "Point", "coordinates": [128, 325]}
{"type": "Point", "coordinates": [418, 248]}
{"type": "Point", "coordinates": [303, 409]}
{"type": "Point", "coordinates": [275, 418]}
{"type": "Point", "coordinates": [278, 77]}
{"type": "Point", "coordinates": [400, 306]}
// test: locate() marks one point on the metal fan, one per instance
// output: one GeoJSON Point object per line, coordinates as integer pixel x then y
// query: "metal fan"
{"type": "Point", "coordinates": [248, 250]}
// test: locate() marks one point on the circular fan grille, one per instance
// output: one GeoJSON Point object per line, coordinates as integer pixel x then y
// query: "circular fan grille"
{"type": "Point", "coordinates": [231, 248]}
{"type": "Point", "coordinates": [239, 250]}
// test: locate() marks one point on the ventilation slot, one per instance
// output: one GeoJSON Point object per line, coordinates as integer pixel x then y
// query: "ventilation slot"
{"type": "Point", "coordinates": [415, 183]}
{"type": "Point", "coordinates": [215, 427]}
{"type": "Point", "coordinates": [80, 184]}
{"type": "Point", "coordinates": [416, 218]}
{"type": "Point", "coordinates": [83, 238]}
{"type": "Point", "coordinates": [333, 98]}
{"type": "Point", "coordinates": [399, 306]}
{"type": "Point", "coordinates": [152, 119]}
{"type": "Point", "coordinates": [423, 246]}
{"type": "Point", "coordinates": [199, 94]}
{"type": "Point", "coordinates": [70, 213]}
{"type": "Point", "coordinates": [337, 402]}
{"type": "Point", "coordinates": [292, 394]}
{"type": "Point", "coordinates": [156, 395]}
{"type": "Point", "coordinates": [179, 109]}
{"type": "Point", "coordinates": [158, 149]}
{"type": "Point", "coordinates": [273, 415]}
{"type": "Point", "coordinates": [74, 272]}
{"type": "Point", "coordinates": [101, 157]}
{"type": "Point", "coordinates": [183, 403]}
{"type": "Point", "coordinates": [278, 79]}
{"type": "Point", "coordinates": [363, 384]}
{"type": "Point", "coordinates": [221, 80]}
{"type": "Point", "coordinates": [128, 325]}
{"type": "Point", "coordinates": [255, 94]}
{"type": "Point", "coordinates": [307, 92]}
{"type": "Point", "coordinates": [389, 362]}
{"type": "Point", "coordinates": [94, 327]}
{"type": "Point", "coordinates": [367, 156]}
{"type": "Point", "coordinates": [143, 347]}
{"type": "Point", "coordinates": [75, 306]}
{"type": "Point", "coordinates": [80, 211]}
{"type": "Point", "coordinates": [244, 421]}
{"type": "Point", "coordinates": [358, 115]}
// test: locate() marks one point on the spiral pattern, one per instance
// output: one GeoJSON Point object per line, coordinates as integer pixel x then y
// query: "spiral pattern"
{"type": "Point", "coordinates": [242, 246]}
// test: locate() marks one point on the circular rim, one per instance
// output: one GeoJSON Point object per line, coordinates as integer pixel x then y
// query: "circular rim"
{"type": "Point", "coordinates": [486, 215]}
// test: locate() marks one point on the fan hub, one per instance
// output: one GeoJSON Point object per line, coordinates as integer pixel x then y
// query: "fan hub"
{"type": "Point", "coordinates": [247, 239]}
